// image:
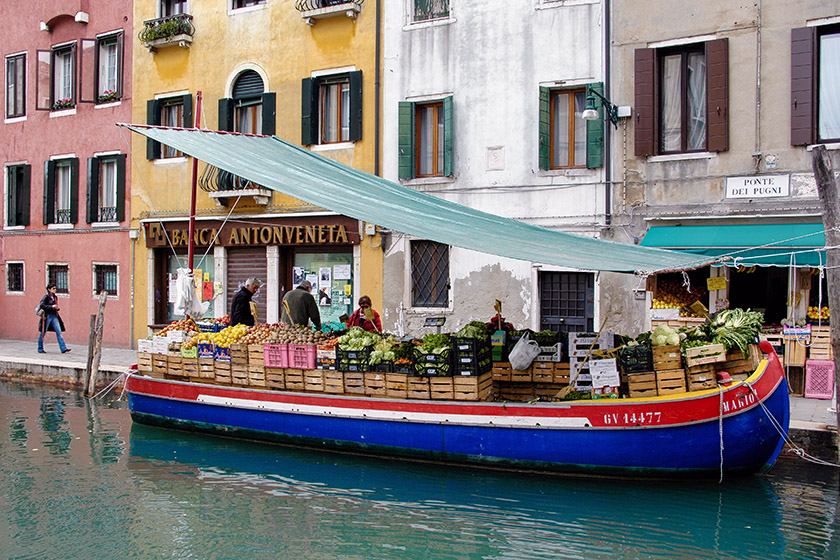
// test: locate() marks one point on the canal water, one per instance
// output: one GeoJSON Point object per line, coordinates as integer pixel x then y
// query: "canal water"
{"type": "Point", "coordinates": [79, 480]}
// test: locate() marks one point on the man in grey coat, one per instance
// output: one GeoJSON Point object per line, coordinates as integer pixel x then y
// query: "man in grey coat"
{"type": "Point", "coordinates": [299, 306]}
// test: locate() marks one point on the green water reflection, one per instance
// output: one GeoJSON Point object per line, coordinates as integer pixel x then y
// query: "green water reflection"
{"type": "Point", "coordinates": [79, 480]}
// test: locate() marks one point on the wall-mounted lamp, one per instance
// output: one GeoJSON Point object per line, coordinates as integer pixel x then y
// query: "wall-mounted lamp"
{"type": "Point", "coordinates": [44, 27]}
{"type": "Point", "coordinates": [614, 112]}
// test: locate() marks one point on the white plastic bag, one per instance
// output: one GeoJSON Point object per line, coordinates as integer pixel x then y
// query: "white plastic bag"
{"type": "Point", "coordinates": [523, 353]}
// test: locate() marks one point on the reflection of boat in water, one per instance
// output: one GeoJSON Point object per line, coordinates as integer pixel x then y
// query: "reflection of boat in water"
{"type": "Point", "coordinates": [473, 514]}
{"type": "Point", "coordinates": [734, 429]}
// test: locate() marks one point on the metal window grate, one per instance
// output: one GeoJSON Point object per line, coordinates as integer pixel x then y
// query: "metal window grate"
{"type": "Point", "coordinates": [429, 274]}
{"type": "Point", "coordinates": [14, 277]}
{"type": "Point", "coordinates": [566, 301]}
{"type": "Point", "coordinates": [108, 214]}
{"type": "Point", "coordinates": [59, 274]}
{"type": "Point", "coordinates": [105, 278]}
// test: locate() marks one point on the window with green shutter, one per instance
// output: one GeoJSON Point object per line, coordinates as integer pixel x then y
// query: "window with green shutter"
{"type": "Point", "coordinates": [17, 194]}
{"type": "Point", "coordinates": [566, 140]}
{"type": "Point", "coordinates": [426, 139]}
{"type": "Point", "coordinates": [331, 109]}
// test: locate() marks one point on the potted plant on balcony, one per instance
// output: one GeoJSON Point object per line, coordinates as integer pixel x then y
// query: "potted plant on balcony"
{"type": "Point", "coordinates": [162, 31]}
{"type": "Point", "coordinates": [60, 104]}
{"type": "Point", "coordinates": [107, 95]}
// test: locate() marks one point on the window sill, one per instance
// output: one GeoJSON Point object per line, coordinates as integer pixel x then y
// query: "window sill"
{"type": "Point", "coordinates": [60, 226]}
{"type": "Point", "coordinates": [832, 146]}
{"type": "Point", "coordinates": [105, 224]}
{"type": "Point", "coordinates": [10, 120]}
{"type": "Point", "coordinates": [15, 293]}
{"type": "Point", "coordinates": [170, 160]}
{"type": "Point", "coordinates": [107, 297]}
{"type": "Point", "coordinates": [568, 172]}
{"type": "Point", "coordinates": [62, 113]}
{"type": "Point", "coordinates": [413, 25]}
{"type": "Point", "coordinates": [13, 228]}
{"type": "Point", "coordinates": [682, 157]}
{"type": "Point", "coordinates": [246, 9]}
{"type": "Point", "coordinates": [348, 8]}
{"type": "Point", "coordinates": [551, 4]}
{"type": "Point", "coordinates": [109, 104]}
{"type": "Point", "coordinates": [424, 181]}
{"type": "Point", "coordinates": [330, 147]}
{"type": "Point", "coordinates": [261, 196]}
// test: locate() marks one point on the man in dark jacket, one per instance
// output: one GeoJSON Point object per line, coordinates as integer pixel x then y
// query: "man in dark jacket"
{"type": "Point", "coordinates": [299, 306]}
{"type": "Point", "coordinates": [240, 306]}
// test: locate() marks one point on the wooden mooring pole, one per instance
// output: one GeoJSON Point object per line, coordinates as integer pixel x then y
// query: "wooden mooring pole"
{"type": "Point", "coordinates": [95, 348]}
{"type": "Point", "coordinates": [827, 187]}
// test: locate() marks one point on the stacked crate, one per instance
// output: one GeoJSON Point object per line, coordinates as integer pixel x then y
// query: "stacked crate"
{"type": "Point", "coordinates": [579, 347]}
{"type": "Point", "coordinates": [313, 380]}
{"type": "Point", "coordinates": [396, 385]}
{"type": "Point", "coordinates": [206, 363]}
{"type": "Point", "coordinates": [256, 365]}
{"type": "Point", "coordinates": [670, 375]}
{"type": "Point", "coordinates": [239, 364]}
{"type": "Point", "coordinates": [471, 356]}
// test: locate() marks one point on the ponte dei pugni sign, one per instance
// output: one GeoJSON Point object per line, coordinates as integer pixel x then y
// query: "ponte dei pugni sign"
{"type": "Point", "coordinates": [758, 186]}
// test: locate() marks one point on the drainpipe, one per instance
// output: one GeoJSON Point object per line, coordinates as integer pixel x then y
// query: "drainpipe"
{"type": "Point", "coordinates": [607, 131]}
{"type": "Point", "coordinates": [376, 88]}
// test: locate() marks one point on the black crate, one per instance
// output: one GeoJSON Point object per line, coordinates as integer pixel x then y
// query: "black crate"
{"type": "Point", "coordinates": [384, 367]}
{"type": "Point", "coordinates": [432, 365]}
{"type": "Point", "coordinates": [471, 356]}
{"type": "Point", "coordinates": [635, 359]}
{"type": "Point", "coordinates": [352, 360]}
{"type": "Point", "coordinates": [404, 368]}
{"type": "Point", "coordinates": [546, 339]}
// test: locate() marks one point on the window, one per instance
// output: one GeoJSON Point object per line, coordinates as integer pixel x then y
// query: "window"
{"type": "Point", "coordinates": [105, 279]}
{"type": "Point", "coordinates": [566, 139]}
{"type": "Point", "coordinates": [14, 277]}
{"type": "Point", "coordinates": [566, 301]}
{"type": "Point", "coordinates": [59, 274]}
{"type": "Point", "coordinates": [63, 78]}
{"type": "Point", "coordinates": [682, 98]}
{"type": "Point", "coordinates": [425, 10]}
{"type": "Point", "coordinates": [172, 7]}
{"type": "Point", "coordinates": [106, 189]}
{"type": "Point", "coordinates": [332, 109]}
{"type": "Point", "coordinates": [250, 109]}
{"type": "Point", "coordinates": [61, 183]}
{"type": "Point", "coordinates": [246, 3]}
{"type": "Point", "coordinates": [17, 195]}
{"type": "Point", "coordinates": [425, 139]}
{"type": "Point", "coordinates": [815, 71]}
{"type": "Point", "coordinates": [109, 64]}
{"type": "Point", "coordinates": [429, 274]}
{"type": "Point", "coordinates": [169, 111]}
{"type": "Point", "coordinates": [16, 85]}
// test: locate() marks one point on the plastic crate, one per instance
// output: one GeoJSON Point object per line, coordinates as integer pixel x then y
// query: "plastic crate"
{"type": "Point", "coordinates": [301, 356]}
{"type": "Point", "coordinates": [384, 367]}
{"type": "Point", "coordinates": [635, 359]}
{"type": "Point", "coordinates": [553, 353]}
{"type": "Point", "coordinates": [546, 339]}
{"type": "Point", "coordinates": [819, 379]}
{"type": "Point", "coordinates": [432, 365]}
{"type": "Point", "coordinates": [352, 360]}
{"type": "Point", "coordinates": [276, 355]}
{"type": "Point", "coordinates": [471, 356]}
{"type": "Point", "coordinates": [209, 327]}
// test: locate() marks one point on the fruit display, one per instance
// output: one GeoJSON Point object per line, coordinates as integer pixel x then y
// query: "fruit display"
{"type": "Point", "coordinates": [819, 313]}
{"type": "Point", "coordinates": [259, 334]}
{"type": "Point", "coordinates": [297, 334]}
{"type": "Point", "coordinates": [672, 293]}
{"type": "Point", "coordinates": [187, 325]}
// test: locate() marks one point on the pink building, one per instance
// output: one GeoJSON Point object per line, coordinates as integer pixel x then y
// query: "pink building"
{"type": "Point", "coordinates": [66, 166]}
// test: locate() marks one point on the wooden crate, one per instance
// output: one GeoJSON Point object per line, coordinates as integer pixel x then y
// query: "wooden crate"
{"type": "Point", "coordinates": [375, 384]}
{"type": "Point", "coordinates": [473, 387]}
{"type": "Point", "coordinates": [795, 353]}
{"type": "Point", "coordinates": [521, 376]}
{"type": "Point", "coordinates": [396, 385]}
{"type": "Point", "coordinates": [144, 361]}
{"type": "Point", "coordinates": [441, 388]}
{"type": "Point", "coordinates": [707, 354]}
{"type": "Point", "coordinates": [160, 363]}
{"type": "Point", "coordinates": [333, 381]}
{"type": "Point", "coordinates": [354, 382]}
{"type": "Point", "coordinates": [670, 381]}
{"type": "Point", "coordinates": [174, 367]}
{"type": "Point", "coordinates": [222, 373]}
{"type": "Point", "coordinates": [239, 354]}
{"type": "Point", "coordinates": [562, 373]}
{"type": "Point", "coordinates": [239, 374]}
{"type": "Point", "coordinates": [543, 372]}
{"type": "Point", "coordinates": [275, 378]}
{"type": "Point", "coordinates": [418, 388]}
{"type": "Point", "coordinates": [256, 375]}
{"type": "Point", "coordinates": [702, 381]}
{"type": "Point", "coordinates": [666, 357]}
{"type": "Point", "coordinates": [642, 384]}
{"type": "Point", "coordinates": [313, 380]}
{"type": "Point", "coordinates": [190, 367]}
{"type": "Point", "coordinates": [256, 355]}
{"type": "Point", "coordinates": [820, 348]}
{"type": "Point", "coordinates": [516, 392]}
{"type": "Point", "coordinates": [501, 371]}
{"type": "Point", "coordinates": [207, 368]}
{"type": "Point", "coordinates": [548, 390]}
{"type": "Point", "coordinates": [294, 379]}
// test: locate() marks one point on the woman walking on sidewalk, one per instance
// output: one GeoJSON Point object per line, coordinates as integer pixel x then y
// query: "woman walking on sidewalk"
{"type": "Point", "coordinates": [50, 319]}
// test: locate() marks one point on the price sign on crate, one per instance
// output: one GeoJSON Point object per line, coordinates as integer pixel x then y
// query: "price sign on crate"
{"type": "Point", "coordinates": [604, 373]}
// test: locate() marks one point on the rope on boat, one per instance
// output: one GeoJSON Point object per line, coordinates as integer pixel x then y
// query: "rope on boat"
{"type": "Point", "coordinates": [113, 384]}
{"type": "Point", "coordinates": [720, 431]}
{"type": "Point", "coordinates": [795, 449]}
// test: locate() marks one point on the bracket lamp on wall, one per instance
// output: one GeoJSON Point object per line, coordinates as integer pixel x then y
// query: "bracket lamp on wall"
{"type": "Point", "coordinates": [614, 112]}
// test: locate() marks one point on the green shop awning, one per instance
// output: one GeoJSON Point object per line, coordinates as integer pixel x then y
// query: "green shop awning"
{"type": "Point", "coordinates": [302, 174]}
{"type": "Point", "coordinates": [746, 244]}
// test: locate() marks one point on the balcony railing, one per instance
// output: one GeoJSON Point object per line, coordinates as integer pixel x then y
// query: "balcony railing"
{"type": "Point", "coordinates": [166, 31]}
{"type": "Point", "coordinates": [311, 10]}
{"type": "Point", "coordinates": [223, 184]}
{"type": "Point", "coordinates": [62, 217]}
{"type": "Point", "coordinates": [108, 214]}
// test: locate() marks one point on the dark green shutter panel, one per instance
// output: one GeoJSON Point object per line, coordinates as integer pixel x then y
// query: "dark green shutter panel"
{"type": "Point", "coordinates": [121, 187]}
{"type": "Point", "coordinates": [355, 106]}
{"type": "Point", "coordinates": [545, 128]}
{"type": "Point", "coordinates": [49, 192]}
{"type": "Point", "coordinates": [152, 117]}
{"type": "Point", "coordinates": [595, 132]}
{"type": "Point", "coordinates": [188, 111]}
{"type": "Point", "coordinates": [405, 139]}
{"type": "Point", "coordinates": [12, 200]}
{"type": "Point", "coordinates": [24, 194]}
{"type": "Point", "coordinates": [226, 114]}
{"type": "Point", "coordinates": [92, 200]}
{"type": "Point", "coordinates": [269, 113]}
{"type": "Point", "coordinates": [309, 111]}
{"type": "Point", "coordinates": [74, 190]}
{"type": "Point", "coordinates": [448, 137]}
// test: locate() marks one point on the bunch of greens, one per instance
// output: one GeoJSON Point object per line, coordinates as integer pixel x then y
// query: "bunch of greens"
{"type": "Point", "coordinates": [383, 351]}
{"type": "Point", "coordinates": [736, 328]}
{"type": "Point", "coordinates": [435, 343]}
{"type": "Point", "coordinates": [473, 329]}
{"type": "Point", "coordinates": [357, 338]}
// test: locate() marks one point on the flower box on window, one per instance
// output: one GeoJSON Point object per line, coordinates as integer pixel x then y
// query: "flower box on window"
{"type": "Point", "coordinates": [62, 104]}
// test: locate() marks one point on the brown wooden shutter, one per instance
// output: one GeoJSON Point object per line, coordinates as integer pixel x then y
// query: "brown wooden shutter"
{"type": "Point", "coordinates": [645, 101]}
{"type": "Point", "coordinates": [802, 74]}
{"type": "Point", "coordinates": [717, 95]}
{"type": "Point", "coordinates": [244, 263]}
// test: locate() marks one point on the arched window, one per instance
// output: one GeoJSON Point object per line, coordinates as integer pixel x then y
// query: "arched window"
{"type": "Point", "coordinates": [250, 109]}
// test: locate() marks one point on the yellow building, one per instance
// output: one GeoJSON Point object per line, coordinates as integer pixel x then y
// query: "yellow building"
{"type": "Point", "coordinates": [305, 71]}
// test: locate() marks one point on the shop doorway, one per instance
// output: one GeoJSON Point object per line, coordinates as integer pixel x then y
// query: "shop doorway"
{"type": "Point", "coordinates": [331, 276]}
{"type": "Point", "coordinates": [762, 289]}
{"type": "Point", "coordinates": [567, 301]}
{"type": "Point", "coordinates": [244, 263]}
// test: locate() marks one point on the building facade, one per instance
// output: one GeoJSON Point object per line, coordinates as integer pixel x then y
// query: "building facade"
{"type": "Point", "coordinates": [67, 69]}
{"type": "Point", "coordinates": [305, 72]}
{"type": "Point", "coordinates": [483, 106]}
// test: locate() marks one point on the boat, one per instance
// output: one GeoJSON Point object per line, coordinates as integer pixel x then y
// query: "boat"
{"type": "Point", "coordinates": [737, 428]}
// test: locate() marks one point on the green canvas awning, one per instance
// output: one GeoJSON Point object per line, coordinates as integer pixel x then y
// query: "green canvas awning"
{"type": "Point", "coordinates": [310, 177]}
{"type": "Point", "coordinates": [746, 244]}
